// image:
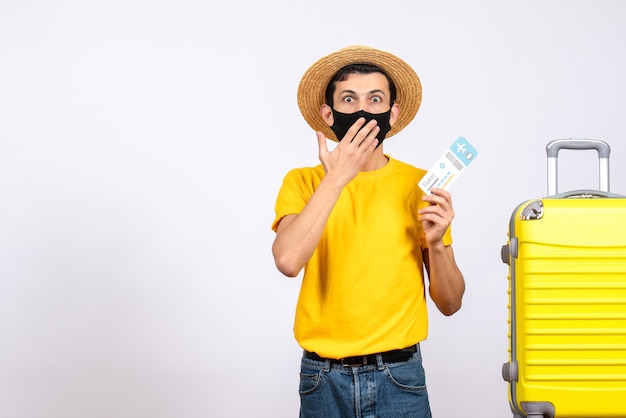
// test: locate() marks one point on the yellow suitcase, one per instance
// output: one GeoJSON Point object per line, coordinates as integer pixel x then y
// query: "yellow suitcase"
{"type": "Point", "coordinates": [567, 299]}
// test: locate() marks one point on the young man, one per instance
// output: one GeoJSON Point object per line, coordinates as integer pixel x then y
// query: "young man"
{"type": "Point", "coordinates": [363, 231]}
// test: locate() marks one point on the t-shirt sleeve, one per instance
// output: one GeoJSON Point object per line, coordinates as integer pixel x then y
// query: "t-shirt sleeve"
{"type": "Point", "coordinates": [447, 237]}
{"type": "Point", "coordinates": [292, 197]}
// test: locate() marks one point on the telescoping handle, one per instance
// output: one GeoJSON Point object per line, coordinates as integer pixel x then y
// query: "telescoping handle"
{"type": "Point", "coordinates": [553, 148]}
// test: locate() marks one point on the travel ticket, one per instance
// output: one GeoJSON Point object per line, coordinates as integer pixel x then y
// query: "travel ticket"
{"type": "Point", "coordinates": [449, 166]}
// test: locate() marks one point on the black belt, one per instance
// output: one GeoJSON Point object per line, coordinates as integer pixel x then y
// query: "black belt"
{"type": "Point", "coordinates": [393, 356]}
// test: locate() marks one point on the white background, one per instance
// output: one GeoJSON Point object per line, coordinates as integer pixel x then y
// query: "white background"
{"type": "Point", "coordinates": [142, 144]}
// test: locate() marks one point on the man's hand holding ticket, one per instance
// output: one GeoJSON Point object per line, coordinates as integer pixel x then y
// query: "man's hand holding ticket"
{"type": "Point", "coordinates": [449, 166]}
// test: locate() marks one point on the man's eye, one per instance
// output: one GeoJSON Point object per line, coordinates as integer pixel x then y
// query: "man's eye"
{"type": "Point", "coordinates": [348, 99]}
{"type": "Point", "coordinates": [376, 99]}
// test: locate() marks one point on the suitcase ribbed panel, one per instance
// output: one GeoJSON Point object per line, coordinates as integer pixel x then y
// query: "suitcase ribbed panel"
{"type": "Point", "coordinates": [570, 307]}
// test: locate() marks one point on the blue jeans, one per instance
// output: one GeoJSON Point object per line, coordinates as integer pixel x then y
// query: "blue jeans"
{"type": "Point", "coordinates": [382, 390]}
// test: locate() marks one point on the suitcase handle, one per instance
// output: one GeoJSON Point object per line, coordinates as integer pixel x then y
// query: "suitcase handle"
{"type": "Point", "coordinates": [553, 148]}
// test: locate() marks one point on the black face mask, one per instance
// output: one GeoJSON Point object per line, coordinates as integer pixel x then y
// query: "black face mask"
{"type": "Point", "coordinates": [344, 121]}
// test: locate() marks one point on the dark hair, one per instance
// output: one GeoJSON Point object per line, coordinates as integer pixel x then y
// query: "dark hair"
{"type": "Point", "coordinates": [343, 73]}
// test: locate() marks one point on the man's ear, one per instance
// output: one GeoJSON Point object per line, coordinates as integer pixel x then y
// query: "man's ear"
{"type": "Point", "coordinates": [395, 112]}
{"type": "Point", "coordinates": [327, 114]}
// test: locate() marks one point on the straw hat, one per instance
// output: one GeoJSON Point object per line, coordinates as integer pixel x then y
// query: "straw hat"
{"type": "Point", "coordinates": [315, 80]}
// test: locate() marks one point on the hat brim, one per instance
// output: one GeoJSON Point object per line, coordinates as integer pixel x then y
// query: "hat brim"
{"type": "Point", "coordinates": [313, 85]}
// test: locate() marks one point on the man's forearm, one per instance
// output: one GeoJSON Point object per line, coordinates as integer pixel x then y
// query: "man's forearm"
{"type": "Point", "coordinates": [447, 284]}
{"type": "Point", "coordinates": [298, 235]}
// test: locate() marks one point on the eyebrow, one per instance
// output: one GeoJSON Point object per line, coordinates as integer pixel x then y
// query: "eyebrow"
{"type": "Point", "coordinates": [375, 91]}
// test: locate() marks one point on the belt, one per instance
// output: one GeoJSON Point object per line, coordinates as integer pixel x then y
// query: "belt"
{"type": "Point", "coordinates": [393, 356]}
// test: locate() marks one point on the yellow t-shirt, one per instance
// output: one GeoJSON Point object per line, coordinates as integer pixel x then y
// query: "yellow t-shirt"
{"type": "Point", "coordinates": [363, 289]}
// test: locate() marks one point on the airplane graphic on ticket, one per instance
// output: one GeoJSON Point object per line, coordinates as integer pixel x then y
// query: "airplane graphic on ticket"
{"type": "Point", "coordinates": [449, 166]}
